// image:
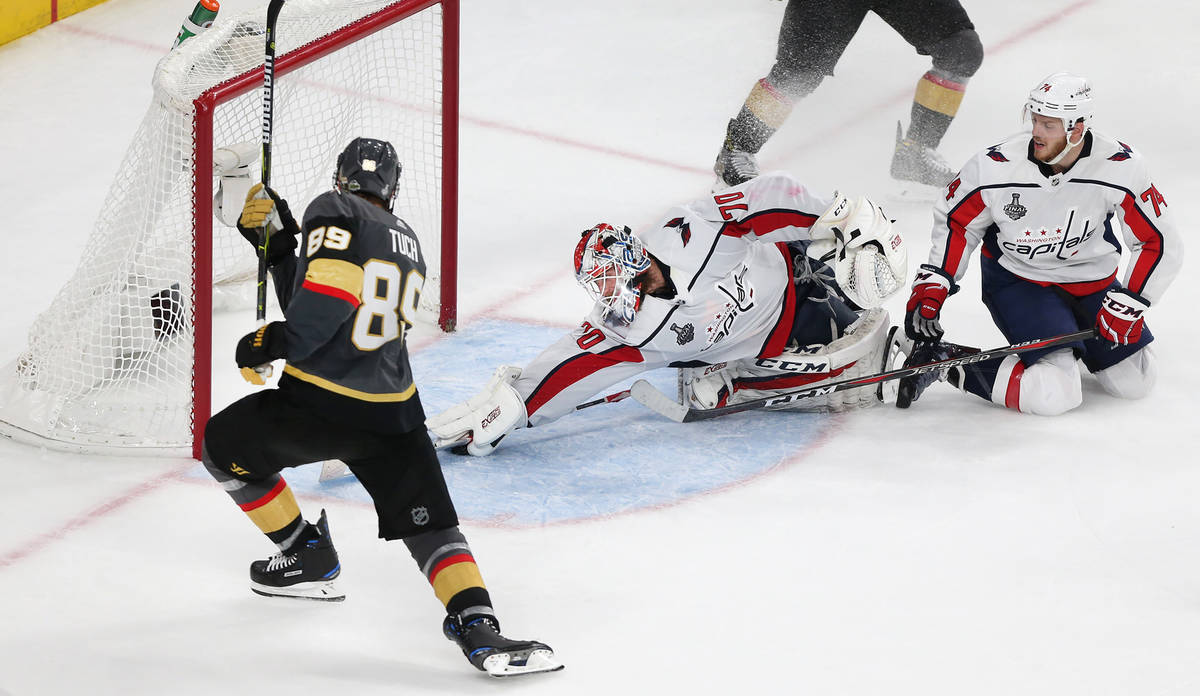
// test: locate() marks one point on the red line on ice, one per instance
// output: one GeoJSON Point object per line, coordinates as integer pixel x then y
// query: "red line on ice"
{"type": "Point", "coordinates": [138, 492]}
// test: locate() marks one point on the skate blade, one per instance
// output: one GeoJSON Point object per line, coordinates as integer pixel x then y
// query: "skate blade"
{"type": "Point", "coordinates": [332, 469]}
{"type": "Point", "coordinates": [314, 591]}
{"type": "Point", "coordinates": [503, 665]}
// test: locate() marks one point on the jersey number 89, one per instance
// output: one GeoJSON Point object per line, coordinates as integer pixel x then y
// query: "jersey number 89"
{"type": "Point", "coordinates": [389, 302]}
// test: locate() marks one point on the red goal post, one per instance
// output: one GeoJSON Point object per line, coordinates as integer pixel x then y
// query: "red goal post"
{"type": "Point", "coordinates": [250, 81]}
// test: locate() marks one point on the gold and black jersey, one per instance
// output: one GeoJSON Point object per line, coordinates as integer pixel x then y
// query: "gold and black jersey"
{"type": "Point", "coordinates": [348, 300]}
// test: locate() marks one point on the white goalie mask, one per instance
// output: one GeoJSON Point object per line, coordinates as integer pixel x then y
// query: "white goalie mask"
{"type": "Point", "coordinates": [1065, 96]}
{"type": "Point", "coordinates": [607, 262]}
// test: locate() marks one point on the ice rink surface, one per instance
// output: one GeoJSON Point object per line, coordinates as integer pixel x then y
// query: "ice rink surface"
{"type": "Point", "coordinates": [950, 549]}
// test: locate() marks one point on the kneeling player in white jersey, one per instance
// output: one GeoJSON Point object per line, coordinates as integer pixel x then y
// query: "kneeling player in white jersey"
{"type": "Point", "coordinates": [730, 287]}
{"type": "Point", "coordinates": [1046, 208]}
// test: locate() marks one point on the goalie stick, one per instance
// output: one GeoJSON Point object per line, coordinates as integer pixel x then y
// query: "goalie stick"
{"type": "Point", "coordinates": [644, 393]}
{"type": "Point", "coordinates": [333, 468]}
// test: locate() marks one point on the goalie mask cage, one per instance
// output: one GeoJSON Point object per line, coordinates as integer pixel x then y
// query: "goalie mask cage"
{"type": "Point", "coordinates": [121, 361]}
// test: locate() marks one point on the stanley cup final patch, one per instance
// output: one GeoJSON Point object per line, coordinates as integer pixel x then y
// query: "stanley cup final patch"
{"type": "Point", "coordinates": [683, 334]}
{"type": "Point", "coordinates": [1015, 210]}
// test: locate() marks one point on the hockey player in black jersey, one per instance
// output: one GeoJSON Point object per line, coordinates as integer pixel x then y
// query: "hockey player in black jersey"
{"type": "Point", "coordinates": [811, 40]}
{"type": "Point", "coordinates": [347, 393]}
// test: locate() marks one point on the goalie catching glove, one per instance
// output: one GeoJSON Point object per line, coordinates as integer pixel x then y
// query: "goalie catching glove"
{"type": "Point", "coordinates": [868, 256]}
{"type": "Point", "coordinates": [265, 207]}
{"type": "Point", "coordinates": [483, 420]}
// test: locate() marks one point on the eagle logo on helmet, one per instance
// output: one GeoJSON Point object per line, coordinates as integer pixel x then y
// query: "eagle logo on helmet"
{"type": "Point", "coordinates": [608, 262]}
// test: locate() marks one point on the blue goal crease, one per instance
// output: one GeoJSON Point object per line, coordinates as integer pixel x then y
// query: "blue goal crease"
{"type": "Point", "coordinates": [607, 460]}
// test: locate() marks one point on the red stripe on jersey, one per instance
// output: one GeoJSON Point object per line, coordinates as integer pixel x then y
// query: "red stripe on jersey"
{"type": "Point", "coordinates": [767, 222]}
{"type": "Point", "coordinates": [943, 82]}
{"type": "Point", "coordinates": [956, 241]}
{"type": "Point", "coordinates": [575, 369]}
{"type": "Point", "coordinates": [449, 561]}
{"type": "Point", "coordinates": [1012, 395]}
{"type": "Point", "coordinates": [268, 497]}
{"type": "Point", "coordinates": [777, 340]}
{"type": "Point", "coordinates": [1151, 239]}
{"type": "Point", "coordinates": [1080, 289]}
{"type": "Point", "coordinates": [332, 292]}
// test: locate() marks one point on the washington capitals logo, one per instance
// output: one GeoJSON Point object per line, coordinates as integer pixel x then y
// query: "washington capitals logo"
{"type": "Point", "coordinates": [683, 334]}
{"type": "Point", "coordinates": [1125, 153]}
{"type": "Point", "coordinates": [1015, 210]}
{"type": "Point", "coordinates": [685, 232]}
{"type": "Point", "coordinates": [994, 153]}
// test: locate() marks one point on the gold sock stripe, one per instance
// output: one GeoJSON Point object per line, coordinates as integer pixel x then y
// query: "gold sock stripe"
{"type": "Point", "coordinates": [275, 510]}
{"type": "Point", "coordinates": [768, 104]}
{"type": "Point", "coordinates": [453, 575]}
{"type": "Point", "coordinates": [939, 94]}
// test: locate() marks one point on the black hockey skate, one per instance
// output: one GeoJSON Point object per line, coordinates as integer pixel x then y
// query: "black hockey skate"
{"type": "Point", "coordinates": [306, 571]}
{"type": "Point", "coordinates": [734, 167]}
{"type": "Point", "coordinates": [913, 161]}
{"type": "Point", "coordinates": [923, 353]}
{"type": "Point", "coordinates": [491, 652]}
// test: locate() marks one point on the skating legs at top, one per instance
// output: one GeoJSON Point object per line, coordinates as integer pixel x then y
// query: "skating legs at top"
{"type": "Point", "coordinates": [811, 40]}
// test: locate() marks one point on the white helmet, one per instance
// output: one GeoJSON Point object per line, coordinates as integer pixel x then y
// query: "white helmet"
{"type": "Point", "coordinates": [1063, 95]}
{"type": "Point", "coordinates": [1067, 97]}
{"type": "Point", "coordinates": [608, 261]}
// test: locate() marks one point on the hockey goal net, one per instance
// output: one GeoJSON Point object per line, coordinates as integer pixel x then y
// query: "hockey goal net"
{"type": "Point", "coordinates": [121, 360]}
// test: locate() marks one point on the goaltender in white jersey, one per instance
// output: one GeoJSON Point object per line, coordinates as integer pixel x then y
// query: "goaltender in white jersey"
{"type": "Point", "coordinates": [1049, 211]}
{"type": "Point", "coordinates": [730, 287]}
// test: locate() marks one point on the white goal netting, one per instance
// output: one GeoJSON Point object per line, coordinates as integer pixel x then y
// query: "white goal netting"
{"type": "Point", "coordinates": [114, 362]}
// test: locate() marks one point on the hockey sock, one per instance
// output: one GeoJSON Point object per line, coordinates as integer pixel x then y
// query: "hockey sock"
{"type": "Point", "coordinates": [935, 103]}
{"type": "Point", "coordinates": [446, 560]}
{"type": "Point", "coordinates": [765, 110]}
{"type": "Point", "coordinates": [269, 503]}
{"type": "Point", "coordinates": [977, 378]}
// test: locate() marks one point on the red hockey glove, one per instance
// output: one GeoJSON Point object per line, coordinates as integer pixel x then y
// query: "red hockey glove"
{"type": "Point", "coordinates": [931, 286]}
{"type": "Point", "coordinates": [1120, 316]}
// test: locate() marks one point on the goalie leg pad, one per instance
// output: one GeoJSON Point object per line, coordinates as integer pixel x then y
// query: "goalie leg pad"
{"type": "Point", "coordinates": [481, 421]}
{"type": "Point", "coordinates": [859, 352]}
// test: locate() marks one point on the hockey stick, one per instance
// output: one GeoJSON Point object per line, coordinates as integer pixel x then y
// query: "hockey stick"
{"type": "Point", "coordinates": [268, 121]}
{"type": "Point", "coordinates": [333, 468]}
{"type": "Point", "coordinates": [662, 404]}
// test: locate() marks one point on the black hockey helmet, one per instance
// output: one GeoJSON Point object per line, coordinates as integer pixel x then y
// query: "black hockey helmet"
{"type": "Point", "coordinates": [368, 166]}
